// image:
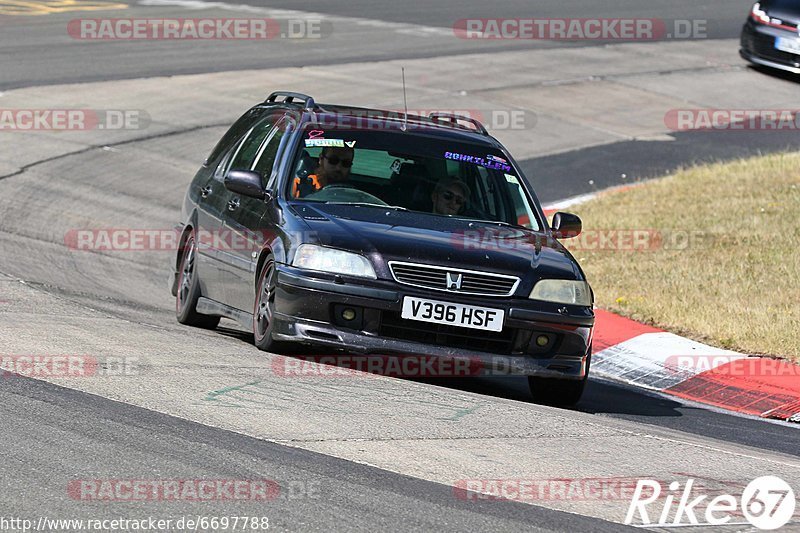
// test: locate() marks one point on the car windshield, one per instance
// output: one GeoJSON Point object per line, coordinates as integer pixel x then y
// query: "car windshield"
{"type": "Point", "coordinates": [410, 171]}
{"type": "Point", "coordinates": [789, 5]}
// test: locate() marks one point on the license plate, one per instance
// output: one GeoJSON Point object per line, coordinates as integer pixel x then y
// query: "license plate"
{"type": "Point", "coordinates": [788, 45]}
{"type": "Point", "coordinates": [465, 316]}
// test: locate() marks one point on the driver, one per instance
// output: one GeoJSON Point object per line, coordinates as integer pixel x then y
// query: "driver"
{"type": "Point", "coordinates": [333, 166]}
{"type": "Point", "coordinates": [450, 196]}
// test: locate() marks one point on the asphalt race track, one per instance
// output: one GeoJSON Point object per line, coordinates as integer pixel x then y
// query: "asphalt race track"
{"type": "Point", "coordinates": [361, 454]}
{"type": "Point", "coordinates": [38, 50]}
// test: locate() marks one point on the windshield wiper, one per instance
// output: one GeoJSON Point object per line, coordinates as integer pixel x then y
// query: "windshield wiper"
{"type": "Point", "coordinates": [497, 222]}
{"type": "Point", "coordinates": [506, 224]}
{"type": "Point", "coordinates": [367, 204]}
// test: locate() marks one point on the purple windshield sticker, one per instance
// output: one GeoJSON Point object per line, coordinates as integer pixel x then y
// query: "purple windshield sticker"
{"type": "Point", "coordinates": [490, 161]}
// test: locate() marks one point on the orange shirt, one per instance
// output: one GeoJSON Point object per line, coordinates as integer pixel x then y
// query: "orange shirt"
{"type": "Point", "coordinates": [312, 181]}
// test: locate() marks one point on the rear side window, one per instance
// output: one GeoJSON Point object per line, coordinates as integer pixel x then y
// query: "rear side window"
{"type": "Point", "coordinates": [239, 128]}
{"type": "Point", "coordinates": [268, 152]}
{"type": "Point", "coordinates": [249, 149]}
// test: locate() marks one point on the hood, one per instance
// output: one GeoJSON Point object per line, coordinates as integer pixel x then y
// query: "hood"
{"type": "Point", "coordinates": [783, 10]}
{"type": "Point", "coordinates": [386, 235]}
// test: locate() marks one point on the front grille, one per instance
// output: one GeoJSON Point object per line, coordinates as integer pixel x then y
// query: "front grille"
{"type": "Point", "coordinates": [436, 278]}
{"type": "Point", "coordinates": [498, 342]}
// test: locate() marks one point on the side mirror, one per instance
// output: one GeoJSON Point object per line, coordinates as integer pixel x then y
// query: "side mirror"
{"type": "Point", "coordinates": [566, 225]}
{"type": "Point", "coordinates": [246, 182]}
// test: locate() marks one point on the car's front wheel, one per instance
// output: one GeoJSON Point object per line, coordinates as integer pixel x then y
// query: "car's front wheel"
{"type": "Point", "coordinates": [263, 319]}
{"type": "Point", "coordinates": [558, 392]}
{"type": "Point", "coordinates": [189, 290]}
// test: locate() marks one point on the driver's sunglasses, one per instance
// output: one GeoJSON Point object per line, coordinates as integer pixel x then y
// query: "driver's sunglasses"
{"type": "Point", "coordinates": [451, 196]}
{"type": "Point", "coordinates": [335, 160]}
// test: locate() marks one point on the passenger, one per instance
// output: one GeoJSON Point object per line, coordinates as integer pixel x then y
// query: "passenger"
{"type": "Point", "coordinates": [333, 166]}
{"type": "Point", "coordinates": [450, 196]}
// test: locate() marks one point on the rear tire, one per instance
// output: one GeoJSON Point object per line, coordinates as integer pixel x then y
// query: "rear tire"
{"type": "Point", "coordinates": [558, 392]}
{"type": "Point", "coordinates": [189, 290]}
{"type": "Point", "coordinates": [264, 309]}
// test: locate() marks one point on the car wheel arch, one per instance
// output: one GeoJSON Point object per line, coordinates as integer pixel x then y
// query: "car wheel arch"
{"type": "Point", "coordinates": [187, 230]}
{"type": "Point", "coordinates": [188, 227]}
{"type": "Point", "coordinates": [262, 258]}
{"type": "Point", "coordinates": [180, 247]}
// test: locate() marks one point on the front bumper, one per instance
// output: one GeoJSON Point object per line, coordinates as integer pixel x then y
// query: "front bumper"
{"type": "Point", "coordinates": [308, 310]}
{"type": "Point", "coordinates": [758, 47]}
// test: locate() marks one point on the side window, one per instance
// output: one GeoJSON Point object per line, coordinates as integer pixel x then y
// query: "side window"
{"type": "Point", "coordinates": [245, 147]}
{"type": "Point", "coordinates": [246, 152]}
{"type": "Point", "coordinates": [286, 134]}
{"type": "Point", "coordinates": [268, 151]}
{"type": "Point", "coordinates": [239, 128]}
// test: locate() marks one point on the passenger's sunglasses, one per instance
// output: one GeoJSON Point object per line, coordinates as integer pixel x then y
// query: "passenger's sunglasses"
{"type": "Point", "coordinates": [335, 160]}
{"type": "Point", "coordinates": [451, 196]}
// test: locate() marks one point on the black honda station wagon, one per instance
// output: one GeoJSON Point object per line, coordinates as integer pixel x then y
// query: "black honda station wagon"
{"type": "Point", "coordinates": [377, 232]}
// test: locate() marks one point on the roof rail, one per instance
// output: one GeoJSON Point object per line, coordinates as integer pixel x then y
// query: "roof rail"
{"type": "Point", "coordinates": [289, 98]}
{"type": "Point", "coordinates": [453, 119]}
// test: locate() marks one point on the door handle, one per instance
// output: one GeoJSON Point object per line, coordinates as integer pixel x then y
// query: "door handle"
{"type": "Point", "coordinates": [205, 191]}
{"type": "Point", "coordinates": [233, 204]}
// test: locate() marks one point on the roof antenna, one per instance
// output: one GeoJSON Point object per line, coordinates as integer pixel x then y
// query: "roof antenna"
{"type": "Point", "coordinates": [405, 103]}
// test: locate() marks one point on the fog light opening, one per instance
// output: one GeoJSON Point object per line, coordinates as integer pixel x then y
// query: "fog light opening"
{"type": "Point", "coordinates": [542, 341]}
{"type": "Point", "coordinates": [348, 314]}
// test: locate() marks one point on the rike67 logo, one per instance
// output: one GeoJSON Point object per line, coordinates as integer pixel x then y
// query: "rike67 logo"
{"type": "Point", "coordinates": [768, 503]}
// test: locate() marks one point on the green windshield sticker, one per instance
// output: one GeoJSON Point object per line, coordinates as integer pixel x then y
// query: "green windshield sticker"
{"type": "Point", "coordinates": [338, 143]}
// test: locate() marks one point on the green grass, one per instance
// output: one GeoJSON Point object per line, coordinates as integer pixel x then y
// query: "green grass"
{"type": "Point", "coordinates": [728, 271]}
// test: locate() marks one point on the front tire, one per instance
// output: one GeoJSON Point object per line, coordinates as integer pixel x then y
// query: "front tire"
{"type": "Point", "coordinates": [189, 290]}
{"type": "Point", "coordinates": [264, 310]}
{"type": "Point", "coordinates": [558, 392]}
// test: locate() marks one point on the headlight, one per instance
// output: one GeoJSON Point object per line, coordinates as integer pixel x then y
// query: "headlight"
{"type": "Point", "coordinates": [562, 291]}
{"type": "Point", "coordinates": [313, 257]}
{"type": "Point", "coordinates": [759, 14]}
